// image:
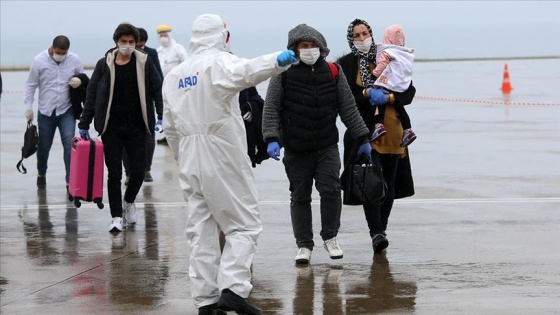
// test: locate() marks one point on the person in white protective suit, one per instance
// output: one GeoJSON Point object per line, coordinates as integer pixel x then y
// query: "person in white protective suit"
{"type": "Point", "coordinates": [170, 53]}
{"type": "Point", "coordinates": [206, 133]}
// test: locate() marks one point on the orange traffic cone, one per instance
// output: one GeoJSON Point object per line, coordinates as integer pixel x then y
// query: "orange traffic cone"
{"type": "Point", "coordinates": [506, 85]}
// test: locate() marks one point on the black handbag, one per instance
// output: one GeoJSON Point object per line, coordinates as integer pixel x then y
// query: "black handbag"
{"type": "Point", "coordinates": [363, 183]}
{"type": "Point", "coordinates": [30, 141]}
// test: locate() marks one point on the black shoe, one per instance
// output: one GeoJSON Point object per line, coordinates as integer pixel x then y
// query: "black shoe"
{"type": "Point", "coordinates": [211, 309]}
{"type": "Point", "coordinates": [230, 301]}
{"type": "Point", "coordinates": [379, 243]}
{"type": "Point", "coordinates": [41, 182]}
{"type": "Point", "coordinates": [148, 177]}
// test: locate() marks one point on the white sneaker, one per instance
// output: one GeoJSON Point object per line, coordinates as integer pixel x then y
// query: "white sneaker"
{"type": "Point", "coordinates": [303, 255]}
{"type": "Point", "coordinates": [129, 211]}
{"type": "Point", "coordinates": [116, 225]}
{"type": "Point", "coordinates": [335, 252]}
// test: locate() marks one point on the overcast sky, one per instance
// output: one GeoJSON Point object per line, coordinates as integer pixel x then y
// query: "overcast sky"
{"type": "Point", "coordinates": [436, 29]}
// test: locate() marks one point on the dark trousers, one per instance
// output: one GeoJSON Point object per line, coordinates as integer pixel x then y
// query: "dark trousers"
{"type": "Point", "coordinates": [377, 216]}
{"type": "Point", "coordinates": [133, 141]}
{"type": "Point", "coordinates": [323, 166]}
{"type": "Point", "coordinates": [150, 149]}
{"type": "Point", "coordinates": [401, 113]}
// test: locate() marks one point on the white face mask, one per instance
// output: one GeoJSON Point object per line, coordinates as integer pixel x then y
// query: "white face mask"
{"type": "Point", "coordinates": [126, 50]}
{"type": "Point", "coordinates": [58, 58]}
{"type": "Point", "coordinates": [164, 41]}
{"type": "Point", "coordinates": [364, 45]}
{"type": "Point", "coordinates": [310, 55]}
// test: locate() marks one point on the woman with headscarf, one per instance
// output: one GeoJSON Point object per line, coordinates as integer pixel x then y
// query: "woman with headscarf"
{"type": "Point", "coordinates": [357, 67]}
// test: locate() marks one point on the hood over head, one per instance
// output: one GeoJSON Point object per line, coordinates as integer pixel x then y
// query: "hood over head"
{"type": "Point", "coordinates": [208, 31]}
{"type": "Point", "coordinates": [306, 32]}
{"type": "Point", "coordinates": [394, 35]}
{"type": "Point", "coordinates": [372, 54]}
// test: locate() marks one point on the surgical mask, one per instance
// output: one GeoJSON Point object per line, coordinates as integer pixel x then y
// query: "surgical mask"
{"type": "Point", "coordinates": [58, 58]}
{"type": "Point", "coordinates": [126, 50]}
{"type": "Point", "coordinates": [364, 46]}
{"type": "Point", "coordinates": [164, 41]}
{"type": "Point", "coordinates": [310, 55]}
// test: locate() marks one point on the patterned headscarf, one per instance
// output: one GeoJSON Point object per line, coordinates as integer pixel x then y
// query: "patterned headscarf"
{"type": "Point", "coordinates": [365, 58]}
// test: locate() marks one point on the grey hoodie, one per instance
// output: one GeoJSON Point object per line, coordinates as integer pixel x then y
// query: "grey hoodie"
{"type": "Point", "coordinates": [306, 32]}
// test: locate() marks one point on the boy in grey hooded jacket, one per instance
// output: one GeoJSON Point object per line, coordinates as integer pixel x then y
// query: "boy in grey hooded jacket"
{"type": "Point", "coordinates": [300, 112]}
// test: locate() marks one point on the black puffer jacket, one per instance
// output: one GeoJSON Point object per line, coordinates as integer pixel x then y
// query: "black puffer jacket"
{"type": "Point", "coordinates": [310, 109]}
{"type": "Point", "coordinates": [100, 92]}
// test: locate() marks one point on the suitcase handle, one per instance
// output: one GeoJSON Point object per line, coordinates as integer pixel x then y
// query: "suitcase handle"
{"type": "Point", "coordinates": [75, 141]}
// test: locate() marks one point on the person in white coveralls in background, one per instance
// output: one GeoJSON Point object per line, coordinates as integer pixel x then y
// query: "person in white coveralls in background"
{"type": "Point", "coordinates": [205, 131]}
{"type": "Point", "coordinates": [170, 54]}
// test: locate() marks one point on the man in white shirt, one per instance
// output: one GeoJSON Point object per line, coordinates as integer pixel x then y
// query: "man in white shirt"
{"type": "Point", "coordinates": [52, 72]}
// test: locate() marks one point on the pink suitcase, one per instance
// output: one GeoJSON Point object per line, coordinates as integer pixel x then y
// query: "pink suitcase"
{"type": "Point", "coordinates": [86, 171]}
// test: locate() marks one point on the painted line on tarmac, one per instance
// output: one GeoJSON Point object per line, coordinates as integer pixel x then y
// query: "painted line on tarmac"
{"type": "Point", "coordinates": [282, 202]}
{"type": "Point", "coordinates": [453, 200]}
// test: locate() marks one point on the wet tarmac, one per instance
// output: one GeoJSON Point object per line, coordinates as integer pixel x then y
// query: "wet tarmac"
{"type": "Point", "coordinates": [481, 235]}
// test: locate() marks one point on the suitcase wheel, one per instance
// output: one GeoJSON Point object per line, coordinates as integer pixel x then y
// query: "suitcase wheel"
{"type": "Point", "coordinates": [77, 203]}
{"type": "Point", "coordinates": [70, 197]}
{"type": "Point", "coordinates": [100, 205]}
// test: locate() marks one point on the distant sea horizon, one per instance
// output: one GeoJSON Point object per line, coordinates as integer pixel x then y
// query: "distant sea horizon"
{"type": "Point", "coordinates": [431, 42]}
{"type": "Point", "coordinates": [92, 66]}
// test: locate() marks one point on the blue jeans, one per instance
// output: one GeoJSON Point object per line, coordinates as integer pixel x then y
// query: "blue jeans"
{"type": "Point", "coordinates": [66, 124]}
{"type": "Point", "coordinates": [323, 166]}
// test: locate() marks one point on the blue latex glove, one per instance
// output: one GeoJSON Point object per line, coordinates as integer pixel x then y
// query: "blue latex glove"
{"type": "Point", "coordinates": [286, 58]}
{"type": "Point", "coordinates": [84, 133]}
{"type": "Point", "coordinates": [377, 97]}
{"type": "Point", "coordinates": [159, 126]}
{"type": "Point", "coordinates": [273, 150]}
{"type": "Point", "coordinates": [365, 148]}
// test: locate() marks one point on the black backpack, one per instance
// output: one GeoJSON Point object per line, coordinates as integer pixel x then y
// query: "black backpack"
{"type": "Point", "coordinates": [30, 141]}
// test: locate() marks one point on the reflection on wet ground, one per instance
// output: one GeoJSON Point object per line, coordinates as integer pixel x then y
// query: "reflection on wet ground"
{"type": "Point", "coordinates": [56, 258]}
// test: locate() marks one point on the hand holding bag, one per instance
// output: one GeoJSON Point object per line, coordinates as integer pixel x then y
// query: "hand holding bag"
{"type": "Point", "coordinates": [363, 183]}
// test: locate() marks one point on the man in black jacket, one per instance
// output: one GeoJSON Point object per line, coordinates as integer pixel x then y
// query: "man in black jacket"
{"type": "Point", "coordinates": [120, 93]}
{"type": "Point", "coordinates": [150, 138]}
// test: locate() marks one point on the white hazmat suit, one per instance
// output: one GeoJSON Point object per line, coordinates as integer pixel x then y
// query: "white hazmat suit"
{"type": "Point", "coordinates": [206, 133]}
{"type": "Point", "coordinates": [171, 55]}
